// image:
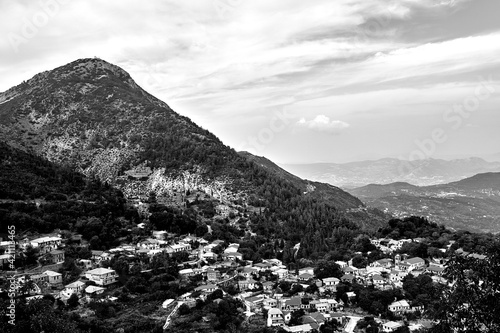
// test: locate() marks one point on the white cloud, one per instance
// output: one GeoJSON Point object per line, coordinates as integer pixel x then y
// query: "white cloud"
{"type": "Point", "coordinates": [322, 123]}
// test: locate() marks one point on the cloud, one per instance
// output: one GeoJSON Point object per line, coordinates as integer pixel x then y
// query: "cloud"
{"type": "Point", "coordinates": [322, 123]}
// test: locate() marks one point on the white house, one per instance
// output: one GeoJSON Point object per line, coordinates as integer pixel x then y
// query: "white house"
{"type": "Point", "coordinates": [275, 317]}
{"type": "Point", "coordinates": [54, 277]}
{"type": "Point", "coordinates": [93, 291]}
{"type": "Point", "coordinates": [330, 283]}
{"type": "Point", "coordinates": [399, 306]}
{"type": "Point", "coordinates": [391, 326]}
{"type": "Point", "coordinates": [74, 288]}
{"type": "Point", "coordinates": [101, 276]}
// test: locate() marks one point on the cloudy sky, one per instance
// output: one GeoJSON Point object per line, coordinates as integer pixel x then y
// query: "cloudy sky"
{"type": "Point", "coordinates": [295, 81]}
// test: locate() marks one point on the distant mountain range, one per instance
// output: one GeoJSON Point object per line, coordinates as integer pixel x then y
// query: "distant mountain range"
{"type": "Point", "coordinates": [389, 170]}
{"type": "Point", "coordinates": [471, 204]}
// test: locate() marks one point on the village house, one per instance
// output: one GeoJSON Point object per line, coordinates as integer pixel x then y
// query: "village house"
{"type": "Point", "coordinates": [97, 256]}
{"type": "Point", "coordinates": [320, 306]}
{"type": "Point", "coordinates": [342, 264]}
{"type": "Point", "coordinates": [54, 278]}
{"type": "Point", "coordinates": [305, 277]}
{"type": "Point", "coordinates": [275, 318]}
{"type": "Point", "coordinates": [269, 303]}
{"type": "Point", "coordinates": [213, 275]}
{"type": "Point", "coordinates": [76, 287]}
{"type": "Point", "coordinates": [86, 264]}
{"type": "Point", "coordinates": [435, 270]}
{"type": "Point", "coordinates": [186, 272]}
{"type": "Point", "coordinates": [391, 326]}
{"type": "Point", "coordinates": [273, 262]}
{"type": "Point", "coordinates": [207, 288]}
{"type": "Point", "coordinates": [247, 284]}
{"type": "Point", "coordinates": [57, 256]}
{"type": "Point", "coordinates": [291, 304]}
{"type": "Point", "coordinates": [282, 273]}
{"type": "Point", "coordinates": [350, 270]}
{"type": "Point", "coordinates": [263, 266]}
{"type": "Point", "coordinates": [101, 276]}
{"type": "Point", "coordinates": [268, 286]}
{"type": "Point", "coordinates": [160, 234]}
{"type": "Point", "coordinates": [40, 279]}
{"type": "Point", "coordinates": [232, 256]}
{"type": "Point", "coordinates": [149, 244]}
{"type": "Point", "coordinates": [179, 247]}
{"type": "Point", "coordinates": [416, 263]}
{"type": "Point", "coordinates": [232, 248]}
{"type": "Point", "coordinates": [308, 270]}
{"type": "Point", "coordinates": [248, 271]}
{"type": "Point", "coordinates": [304, 328]}
{"type": "Point", "coordinates": [401, 306]}
{"type": "Point", "coordinates": [208, 255]}
{"type": "Point", "coordinates": [347, 278]}
{"type": "Point", "coordinates": [46, 244]}
{"type": "Point", "coordinates": [91, 292]}
{"type": "Point", "coordinates": [378, 281]}
{"type": "Point", "coordinates": [384, 263]}
{"type": "Point", "coordinates": [314, 319]}
{"type": "Point", "coordinates": [330, 283]}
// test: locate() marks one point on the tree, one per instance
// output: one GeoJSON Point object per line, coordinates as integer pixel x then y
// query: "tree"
{"type": "Point", "coordinates": [327, 269]}
{"type": "Point", "coordinates": [471, 304]}
{"type": "Point", "coordinates": [330, 326]}
{"type": "Point", "coordinates": [27, 286]}
{"type": "Point", "coordinates": [296, 317]}
{"type": "Point", "coordinates": [73, 301]}
{"type": "Point", "coordinates": [184, 309]}
{"type": "Point", "coordinates": [30, 256]}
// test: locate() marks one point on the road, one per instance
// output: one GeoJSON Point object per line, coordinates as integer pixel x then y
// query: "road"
{"type": "Point", "coordinates": [167, 322]}
{"type": "Point", "coordinates": [352, 323]}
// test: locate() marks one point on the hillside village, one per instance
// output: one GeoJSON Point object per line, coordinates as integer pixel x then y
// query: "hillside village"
{"type": "Point", "coordinates": [294, 300]}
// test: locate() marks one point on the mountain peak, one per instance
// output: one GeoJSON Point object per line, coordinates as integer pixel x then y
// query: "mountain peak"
{"type": "Point", "coordinates": [90, 68]}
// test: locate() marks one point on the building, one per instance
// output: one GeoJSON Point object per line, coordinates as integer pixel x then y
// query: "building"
{"type": "Point", "coordinates": [213, 275]}
{"type": "Point", "coordinates": [247, 284]}
{"type": "Point", "coordinates": [207, 288]}
{"type": "Point", "coordinates": [46, 244]}
{"type": "Point", "coordinates": [74, 288]}
{"type": "Point", "coordinates": [399, 306]}
{"type": "Point", "coordinates": [93, 291]}
{"type": "Point", "coordinates": [292, 304]}
{"type": "Point", "coordinates": [54, 278]}
{"type": "Point", "coordinates": [232, 256]}
{"type": "Point", "coordinates": [304, 328]}
{"type": "Point", "coordinates": [391, 326]}
{"type": "Point", "coordinates": [435, 270]}
{"type": "Point", "coordinates": [348, 278]}
{"type": "Point", "coordinates": [101, 276]}
{"type": "Point", "coordinates": [416, 263]}
{"type": "Point", "coordinates": [268, 286]}
{"type": "Point", "coordinates": [275, 318]}
{"type": "Point", "coordinates": [308, 270]}
{"type": "Point", "coordinates": [149, 244]}
{"type": "Point", "coordinates": [57, 256]}
{"type": "Point", "coordinates": [40, 279]}
{"type": "Point", "coordinates": [270, 303]}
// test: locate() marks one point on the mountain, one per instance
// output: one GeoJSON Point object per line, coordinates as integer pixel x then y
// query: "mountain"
{"type": "Point", "coordinates": [389, 170]}
{"type": "Point", "coordinates": [90, 116]}
{"type": "Point", "coordinates": [471, 204]}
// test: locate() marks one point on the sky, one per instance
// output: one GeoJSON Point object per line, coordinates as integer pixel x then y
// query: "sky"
{"type": "Point", "coordinates": [294, 81]}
